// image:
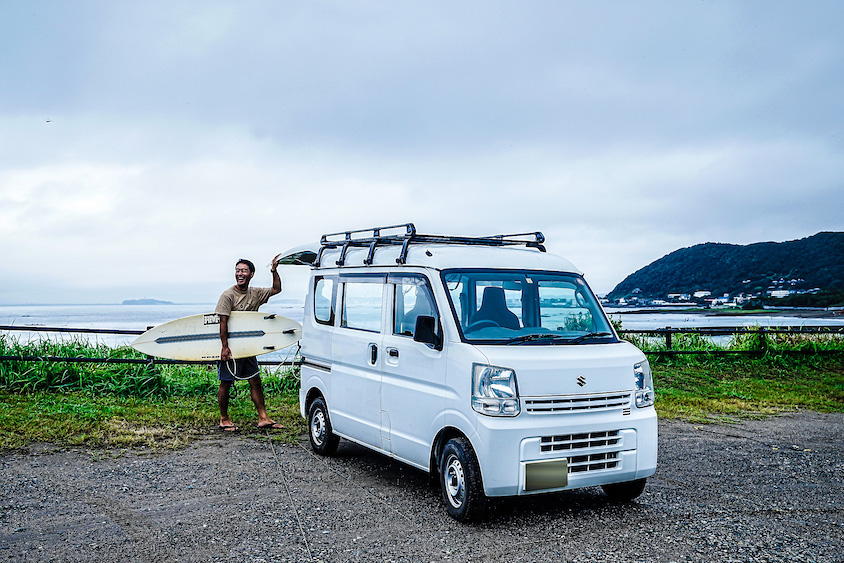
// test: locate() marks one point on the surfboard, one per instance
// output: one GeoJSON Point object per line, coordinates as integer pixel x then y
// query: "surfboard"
{"type": "Point", "coordinates": [197, 337]}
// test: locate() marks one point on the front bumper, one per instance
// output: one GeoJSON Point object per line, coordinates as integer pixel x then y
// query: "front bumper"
{"type": "Point", "coordinates": [566, 451]}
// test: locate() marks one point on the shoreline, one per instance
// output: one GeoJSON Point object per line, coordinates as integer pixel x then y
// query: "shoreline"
{"type": "Point", "coordinates": [799, 313]}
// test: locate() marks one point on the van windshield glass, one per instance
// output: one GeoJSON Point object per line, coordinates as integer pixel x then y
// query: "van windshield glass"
{"type": "Point", "coordinates": [526, 308]}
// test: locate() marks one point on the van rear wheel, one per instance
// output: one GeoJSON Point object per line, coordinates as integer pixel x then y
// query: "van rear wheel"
{"type": "Point", "coordinates": [625, 492]}
{"type": "Point", "coordinates": [322, 438]}
{"type": "Point", "coordinates": [460, 480]}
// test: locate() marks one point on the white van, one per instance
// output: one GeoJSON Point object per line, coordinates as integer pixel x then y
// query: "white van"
{"type": "Point", "coordinates": [485, 361]}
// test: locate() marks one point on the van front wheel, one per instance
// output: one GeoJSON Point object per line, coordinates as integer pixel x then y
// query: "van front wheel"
{"type": "Point", "coordinates": [323, 440]}
{"type": "Point", "coordinates": [460, 479]}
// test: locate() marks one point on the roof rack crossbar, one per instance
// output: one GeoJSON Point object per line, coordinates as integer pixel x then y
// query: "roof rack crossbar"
{"type": "Point", "coordinates": [348, 236]}
{"type": "Point", "coordinates": [373, 237]}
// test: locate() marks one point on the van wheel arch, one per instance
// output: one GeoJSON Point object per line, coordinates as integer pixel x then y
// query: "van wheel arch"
{"type": "Point", "coordinates": [312, 395]}
{"type": "Point", "coordinates": [440, 441]}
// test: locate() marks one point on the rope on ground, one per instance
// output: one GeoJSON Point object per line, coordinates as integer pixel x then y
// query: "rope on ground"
{"type": "Point", "coordinates": [290, 498]}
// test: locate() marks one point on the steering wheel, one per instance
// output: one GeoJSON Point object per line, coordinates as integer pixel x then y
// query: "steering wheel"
{"type": "Point", "coordinates": [478, 325]}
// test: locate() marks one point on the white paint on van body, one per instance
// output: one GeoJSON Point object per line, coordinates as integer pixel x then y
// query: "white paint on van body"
{"type": "Point", "coordinates": [399, 403]}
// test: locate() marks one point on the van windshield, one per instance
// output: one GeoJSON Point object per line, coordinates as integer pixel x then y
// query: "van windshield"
{"type": "Point", "coordinates": [525, 308]}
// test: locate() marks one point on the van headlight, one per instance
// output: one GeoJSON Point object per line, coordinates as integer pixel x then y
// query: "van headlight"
{"type": "Point", "coordinates": [644, 384]}
{"type": "Point", "coordinates": [494, 390]}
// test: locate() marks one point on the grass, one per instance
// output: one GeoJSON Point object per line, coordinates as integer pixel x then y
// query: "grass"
{"type": "Point", "coordinates": [723, 387]}
{"type": "Point", "coordinates": [125, 405]}
{"type": "Point", "coordinates": [707, 389]}
{"type": "Point", "coordinates": [155, 406]}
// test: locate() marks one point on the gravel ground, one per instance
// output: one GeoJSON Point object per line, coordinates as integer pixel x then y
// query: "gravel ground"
{"type": "Point", "coordinates": [769, 490]}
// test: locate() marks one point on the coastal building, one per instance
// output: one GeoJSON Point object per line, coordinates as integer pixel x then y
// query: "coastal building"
{"type": "Point", "coordinates": [780, 293]}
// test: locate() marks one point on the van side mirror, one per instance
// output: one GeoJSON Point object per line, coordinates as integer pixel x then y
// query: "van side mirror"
{"type": "Point", "coordinates": [426, 332]}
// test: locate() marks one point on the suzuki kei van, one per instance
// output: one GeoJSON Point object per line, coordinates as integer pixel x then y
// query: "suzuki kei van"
{"type": "Point", "coordinates": [483, 360]}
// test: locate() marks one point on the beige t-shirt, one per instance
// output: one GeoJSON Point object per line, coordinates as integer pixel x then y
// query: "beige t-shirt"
{"type": "Point", "coordinates": [233, 299]}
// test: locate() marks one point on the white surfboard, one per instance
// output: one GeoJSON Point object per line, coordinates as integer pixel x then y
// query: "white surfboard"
{"type": "Point", "coordinates": [197, 337]}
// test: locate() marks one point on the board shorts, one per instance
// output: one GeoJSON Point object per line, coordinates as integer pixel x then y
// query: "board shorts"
{"type": "Point", "coordinates": [244, 368]}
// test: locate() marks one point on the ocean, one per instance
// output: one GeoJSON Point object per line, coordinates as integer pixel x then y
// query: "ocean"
{"type": "Point", "coordinates": [121, 317]}
{"type": "Point", "coordinates": [141, 317]}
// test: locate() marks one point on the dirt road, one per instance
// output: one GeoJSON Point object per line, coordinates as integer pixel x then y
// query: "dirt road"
{"type": "Point", "coordinates": [768, 490]}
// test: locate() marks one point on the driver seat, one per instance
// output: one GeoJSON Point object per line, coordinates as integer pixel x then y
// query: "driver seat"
{"type": "Point", "coordinates": [494, 308]}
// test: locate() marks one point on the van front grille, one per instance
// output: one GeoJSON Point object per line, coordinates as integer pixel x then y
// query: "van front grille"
{"type": "Point", "coordinates": [581, 449]}
{"type": "Point", "coordinates": [594, 462]}
{"type": "Point", "coordinates": [567, 442]}
{"type": "Point", "coordinates": [577, 403]}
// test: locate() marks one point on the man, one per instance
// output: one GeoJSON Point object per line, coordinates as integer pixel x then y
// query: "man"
{"type": "Point", "coordinates": [241, 297]}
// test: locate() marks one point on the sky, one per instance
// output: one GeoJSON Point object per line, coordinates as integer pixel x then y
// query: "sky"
{"type": "Point", "coordinates": [146, 146]}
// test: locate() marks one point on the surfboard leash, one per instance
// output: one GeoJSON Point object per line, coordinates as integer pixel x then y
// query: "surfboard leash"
{"type": "Point", "coordinates": [232, 367]}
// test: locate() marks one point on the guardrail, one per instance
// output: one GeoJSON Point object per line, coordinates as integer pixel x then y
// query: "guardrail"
{"type": "Point", "coordinates": [148, 360]}
{"type": "Point", "coordinates": [667, 333]}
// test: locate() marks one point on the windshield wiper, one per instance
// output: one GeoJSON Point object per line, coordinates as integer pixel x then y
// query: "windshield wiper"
{"type": "Point", "coordinates": [532, 337]}
{"type": "Point", "coordinates": [583, 337]}
{"type": "Point", "coordinates": [559, 337]}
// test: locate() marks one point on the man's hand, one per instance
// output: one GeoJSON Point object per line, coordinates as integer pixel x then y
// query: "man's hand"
{"type": "Point", "coordinates": [225, 352]}
{"type": "Point", "coordinates": [274, 262]}
{"type": "Point", "coordinates": [276, 289]}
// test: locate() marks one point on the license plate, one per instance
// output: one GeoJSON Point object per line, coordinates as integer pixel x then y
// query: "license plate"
{"type": "Point", "coordinates": [546, 474]}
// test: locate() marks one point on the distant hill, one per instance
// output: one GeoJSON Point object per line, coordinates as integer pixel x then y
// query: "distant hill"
{"type": "Point", "coordinates": [812, 262]}
{"type": "Point", "coordinates": [146, 302]}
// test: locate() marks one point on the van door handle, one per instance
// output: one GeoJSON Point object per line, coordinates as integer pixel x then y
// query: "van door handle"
{"type": "Point", "coordinates": [393, 352]}
{"type": "Point", "coordinates": [373, 353]}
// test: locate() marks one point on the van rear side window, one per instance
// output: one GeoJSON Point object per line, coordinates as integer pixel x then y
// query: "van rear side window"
{"type": "Point", "coordinates": [362, 306]}
{"type": "Point", "coordinates": [324, 298]}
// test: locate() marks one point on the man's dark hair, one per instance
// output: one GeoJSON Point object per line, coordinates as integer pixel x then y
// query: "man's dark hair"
{"type": "Point", "coordinates": [248, 263]}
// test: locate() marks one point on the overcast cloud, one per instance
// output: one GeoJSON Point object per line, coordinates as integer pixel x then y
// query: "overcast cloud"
{"type": "Point", "coordinates": [145, 146]}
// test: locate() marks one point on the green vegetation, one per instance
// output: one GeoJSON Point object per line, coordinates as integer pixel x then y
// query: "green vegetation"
{"type": "Point", "coordinates": [730, 388]}
{"type": "Point", "coordinates": [153, 406]}
{"type": "Point", "coordinates": [124, 405]}
{"type": "Point", "coordinates": [756, 340]}
{"type": "Point", "coordinates": [828, 298]}
{"type": "Point", "coordinates": [787, 372]}
{"type": "Point", "coordinates": [730, 268]}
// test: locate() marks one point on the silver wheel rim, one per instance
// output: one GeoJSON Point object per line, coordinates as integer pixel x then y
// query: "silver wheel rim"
{"type": "Point", "coordinates": [318, 427]}
{"type": "Point", "coordinates": [455, 483]}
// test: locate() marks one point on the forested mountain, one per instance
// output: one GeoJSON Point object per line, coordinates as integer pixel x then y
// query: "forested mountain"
{"type": "Point", "coordinates": [812, 262]}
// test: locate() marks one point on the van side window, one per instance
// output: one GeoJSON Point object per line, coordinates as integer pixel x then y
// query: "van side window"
{"type": "Point", "coordinates": [362, 306]}
{"type": "Point", "coordinates": [324, 297]}
{"type": "Point", "coordinates": [412, 298]}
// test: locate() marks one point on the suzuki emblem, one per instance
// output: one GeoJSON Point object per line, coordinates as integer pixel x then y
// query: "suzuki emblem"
{"type": "Point", "coordinates": [581, 380]}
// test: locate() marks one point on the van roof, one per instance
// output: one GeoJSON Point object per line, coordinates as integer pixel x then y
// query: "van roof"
{"type": "Point", "coordinates": [397, 245]}
{"type": "Point", "coordinates": [446, 256]}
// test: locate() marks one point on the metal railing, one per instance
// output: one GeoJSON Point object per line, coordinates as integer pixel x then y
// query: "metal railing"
{"type": "Point", "coordinates": [667, 333]}
{"type": "Point", "coordinates": [763, 332]}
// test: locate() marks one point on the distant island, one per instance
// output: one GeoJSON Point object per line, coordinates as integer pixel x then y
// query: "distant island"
{"type": "Point", "coordinates": [799, 273]}
{"type": "Point", "coordinates": [146, 302]}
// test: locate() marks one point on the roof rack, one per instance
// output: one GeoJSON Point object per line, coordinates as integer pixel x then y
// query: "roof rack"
{"type": "Point", "coordinates": [406, 235]}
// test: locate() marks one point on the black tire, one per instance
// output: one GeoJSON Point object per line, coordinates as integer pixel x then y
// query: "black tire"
{"type": "Point", "coordinates": [625, 492]}
{"type": "Point", "coordinates": [323, 440]}
{"type": "Point", "coordinates": [460, 481]}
